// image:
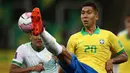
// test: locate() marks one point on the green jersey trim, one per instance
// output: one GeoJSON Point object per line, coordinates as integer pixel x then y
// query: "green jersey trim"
{"type": "Point", "coordinates": [120, 52]}
{"type": "Point", "coordinates": [97, 31]}
{"type": "Point", "coordinates": [17, 63]}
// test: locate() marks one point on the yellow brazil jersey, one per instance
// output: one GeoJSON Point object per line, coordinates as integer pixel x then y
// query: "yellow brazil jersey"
{"type": "Point", "coordinates": [124, 67]}
{"type": "Point", "coordinates": [94, 49]}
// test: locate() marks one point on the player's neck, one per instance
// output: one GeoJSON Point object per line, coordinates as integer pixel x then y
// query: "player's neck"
{"type": "Point", "coordinates": [90, 29]}
{"type": "Point", "coordinates": [38, 49]}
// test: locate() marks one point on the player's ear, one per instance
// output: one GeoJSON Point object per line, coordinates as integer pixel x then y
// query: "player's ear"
{"type": "Point", "coordinates": [97, 16]}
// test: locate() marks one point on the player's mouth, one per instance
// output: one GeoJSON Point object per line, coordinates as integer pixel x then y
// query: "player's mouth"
{"type": "Point", "coordinates": [85, 21]}
{"type": "Point", "coordinates": [39, 41]}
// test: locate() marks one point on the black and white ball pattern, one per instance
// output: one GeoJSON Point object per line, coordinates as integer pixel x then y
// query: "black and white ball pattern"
{"type": "Point", "coordinates": [25, 22]}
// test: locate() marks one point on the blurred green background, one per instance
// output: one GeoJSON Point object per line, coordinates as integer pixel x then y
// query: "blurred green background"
{"type": "Point", "coordinates": [62, 18]}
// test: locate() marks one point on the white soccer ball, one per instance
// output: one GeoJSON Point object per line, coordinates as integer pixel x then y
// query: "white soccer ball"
{"type": "Point", "coordinates": [25, 22]}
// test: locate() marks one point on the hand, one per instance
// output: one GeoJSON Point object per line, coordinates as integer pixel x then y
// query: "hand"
{"type": "Point", "coordinates": [38, 68]}
{"type": "Point", "coordinates": [109, 66]}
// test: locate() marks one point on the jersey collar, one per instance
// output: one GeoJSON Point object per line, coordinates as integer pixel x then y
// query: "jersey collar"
{"type": "Point", "coordinates": [97, 31]}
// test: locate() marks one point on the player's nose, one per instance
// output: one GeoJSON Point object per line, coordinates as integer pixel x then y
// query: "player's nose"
{"type": "Point", "coordinates": [85, 16]}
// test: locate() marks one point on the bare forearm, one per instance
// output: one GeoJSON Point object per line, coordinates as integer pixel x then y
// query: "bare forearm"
{"type": "Point", "coordinates": [16, 69]}
{"type": "Point", "coordinates": [120, 58]}
{"type": "Point", "coordinates": [21, 70]}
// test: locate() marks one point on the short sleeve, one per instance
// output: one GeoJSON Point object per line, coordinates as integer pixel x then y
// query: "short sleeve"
{"type": "Point", "coordinates": [19, 55]}
{"type": "Point", "coordinates": [116, 44]}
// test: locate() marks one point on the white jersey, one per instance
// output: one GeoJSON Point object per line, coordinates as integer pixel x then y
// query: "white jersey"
{"type": "Point", "coordinates": [26, 55]}
{"type": "Point", "coordinates": [122, 32]}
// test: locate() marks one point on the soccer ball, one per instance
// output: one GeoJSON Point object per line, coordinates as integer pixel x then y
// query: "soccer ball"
{"type": "Point", "coordinates": [25, 22]}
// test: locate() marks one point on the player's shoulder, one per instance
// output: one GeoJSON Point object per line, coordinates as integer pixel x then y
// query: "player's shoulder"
{"type": "Point", "coordinates": [110, 35]}
{"type": "Point", "coordinates": [106, 32]}
{"type": "Point", "coordinates": [24, 46]}
{"type": "Point", "coordinates": [76, 35]}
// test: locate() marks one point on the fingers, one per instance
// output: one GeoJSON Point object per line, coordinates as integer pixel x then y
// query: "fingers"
{"type": "Point", "coordinates": [109, 66]}
{"type": "Point", "coordinates": [110, 71]}
{"type": "Point", "coordinates": [38, 67]}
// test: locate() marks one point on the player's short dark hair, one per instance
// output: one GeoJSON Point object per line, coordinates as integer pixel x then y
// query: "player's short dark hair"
{"type": "Point", "coordinates": [91, 4]}
{"type": "Point", "coordinates": [128, 15]}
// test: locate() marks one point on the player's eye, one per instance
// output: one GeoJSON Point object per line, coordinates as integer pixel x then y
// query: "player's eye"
{"type": "Point", "coordinates": [89, 12]}
{"type": "Point", "coordinates": [128, 21]}
{"type": "Point", "coordinates": [82, 12]}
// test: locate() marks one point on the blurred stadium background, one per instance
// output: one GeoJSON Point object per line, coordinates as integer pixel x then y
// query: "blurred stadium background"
{"type": "Point", "coordinates": [62, 18]}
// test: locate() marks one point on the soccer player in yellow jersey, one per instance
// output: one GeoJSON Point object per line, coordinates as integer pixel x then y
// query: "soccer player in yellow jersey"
{"type": "Point", "coordinates": [91, 47]}
{"type": "Point", "coordinates": [125, 39]}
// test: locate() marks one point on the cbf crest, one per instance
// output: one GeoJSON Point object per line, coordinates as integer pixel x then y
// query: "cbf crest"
{"type": "Point", "coordinates": [101, 41]}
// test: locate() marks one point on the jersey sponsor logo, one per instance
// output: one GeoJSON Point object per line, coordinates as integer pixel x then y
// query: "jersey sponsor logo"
{"type": "Point", "coordinates": [101, 41]}
{"type": "Point", "coordinates": [90, 49]}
